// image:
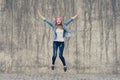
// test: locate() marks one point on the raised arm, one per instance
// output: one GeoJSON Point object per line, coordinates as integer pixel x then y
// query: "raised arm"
{"type": "Point", "coordinates": [74, 17]}
{"type": "Point", "coordinates": [46, 20]}
{"type": "Point", "coordinates": [71, 19]}
{"type": "Point", "coordinates": [42, 17]}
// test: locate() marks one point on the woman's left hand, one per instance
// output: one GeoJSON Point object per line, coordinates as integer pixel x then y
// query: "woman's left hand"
{"type": "Point", "coordinates": [78, 13]}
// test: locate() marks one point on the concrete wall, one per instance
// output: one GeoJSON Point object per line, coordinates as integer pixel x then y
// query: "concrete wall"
{"type": "Point", "coordinates": [26, 41]}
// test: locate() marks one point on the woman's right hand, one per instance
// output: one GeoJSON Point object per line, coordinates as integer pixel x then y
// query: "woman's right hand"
{"type": "Point", "coordinates": [42, 17]}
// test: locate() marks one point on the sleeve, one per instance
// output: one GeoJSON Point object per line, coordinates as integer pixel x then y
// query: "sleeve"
{"type": "Point", "coordinates": [68, 21]}
{"type": "Point", "coordinates": [49, 22]}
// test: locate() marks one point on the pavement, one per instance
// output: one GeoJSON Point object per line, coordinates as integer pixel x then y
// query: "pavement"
{"type": "Point", "coordinates": [58, 76]}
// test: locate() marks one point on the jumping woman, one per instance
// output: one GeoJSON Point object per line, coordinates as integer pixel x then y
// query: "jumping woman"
{"type": "Point", "coordinates": [61, 32]}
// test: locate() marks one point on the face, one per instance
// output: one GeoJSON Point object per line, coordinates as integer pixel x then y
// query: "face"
{"type": "Point", "coordinates": [59, 21]}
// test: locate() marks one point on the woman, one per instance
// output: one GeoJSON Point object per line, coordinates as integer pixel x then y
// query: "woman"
{"type": "Point", "coordinates": [61, 32]}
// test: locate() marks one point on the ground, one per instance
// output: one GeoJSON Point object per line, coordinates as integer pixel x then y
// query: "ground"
{"type": "Point", "coordinates": [58, 76]}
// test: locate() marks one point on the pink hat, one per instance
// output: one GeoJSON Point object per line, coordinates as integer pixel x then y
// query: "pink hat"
{"type": "Point", "coordinates": [58, 17]}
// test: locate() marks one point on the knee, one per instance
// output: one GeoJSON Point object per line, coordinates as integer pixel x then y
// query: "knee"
{"type": "Point", "coordinates": [54, 56]}
{"type": "Point", "coordinates": [60, 56]}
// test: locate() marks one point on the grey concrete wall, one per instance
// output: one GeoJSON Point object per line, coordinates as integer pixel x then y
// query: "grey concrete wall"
{"type": "Point", "coordinates": [26, 41]}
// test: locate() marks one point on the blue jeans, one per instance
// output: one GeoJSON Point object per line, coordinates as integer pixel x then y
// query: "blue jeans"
{"type": "Point", "coordinates": [57, 45]}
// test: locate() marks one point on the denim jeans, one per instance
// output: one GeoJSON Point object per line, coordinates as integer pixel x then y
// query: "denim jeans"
{"type": "Point", "coordinates": [57, 45]}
